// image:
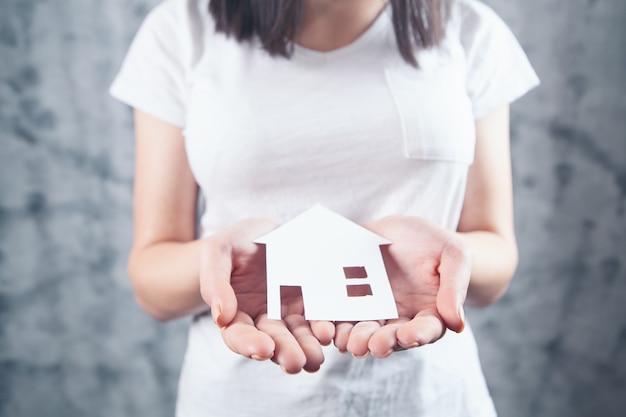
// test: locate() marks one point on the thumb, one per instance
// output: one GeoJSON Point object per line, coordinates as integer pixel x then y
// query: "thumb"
{"type": "Point", "coordinates": [215, 272]}
{"type": "Point", "coordinates": [454, 274]}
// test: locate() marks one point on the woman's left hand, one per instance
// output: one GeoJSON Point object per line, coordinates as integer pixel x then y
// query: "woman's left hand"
{"type": "Point", "coordinates": [429, 270]}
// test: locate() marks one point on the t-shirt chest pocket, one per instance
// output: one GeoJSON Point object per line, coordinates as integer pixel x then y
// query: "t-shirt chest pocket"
{"type": "Point", "coordinates": [435, 113]}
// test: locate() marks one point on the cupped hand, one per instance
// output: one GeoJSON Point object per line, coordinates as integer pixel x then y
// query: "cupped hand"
{"type": "Point", "coordinates": [233, 283]}
{"type": "Point", "coordinates": [429, 270]}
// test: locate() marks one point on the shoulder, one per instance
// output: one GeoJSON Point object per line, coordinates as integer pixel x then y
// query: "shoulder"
{"type": "Point", "coordinates": [474, 13]}
{"type": "Point", "coordinates": [154, 74]}
{"type": "Point", "coordinates": [481, 33]}
{"type": "Point", "coordinates": [179, 17]}
{"type": "Point", "coordinates": [172, 13]}
{"type": "Point", "coordinates": [176, 30]}
{"type": "Point", "coordinates": [178, 21]}
{"type": "Point", "coordinates": [474, 21]}
{"type": "Point", "coordinates": [496, 66]}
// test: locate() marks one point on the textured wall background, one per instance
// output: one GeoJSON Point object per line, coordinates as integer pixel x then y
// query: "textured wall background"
{"type": "Point", "coordinates": [73, 342]}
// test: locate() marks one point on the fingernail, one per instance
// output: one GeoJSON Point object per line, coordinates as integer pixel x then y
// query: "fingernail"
{"type": "Point", "coordinates": [257, 357]}
{"type": "Point", "coordinates": [462, 317]}
{"type": "Point", "coordinates": [384, 355]}
{"type": "Point", "coordinates": [361, 356]}
{"type": "Point", "coordinates": [216, 312]}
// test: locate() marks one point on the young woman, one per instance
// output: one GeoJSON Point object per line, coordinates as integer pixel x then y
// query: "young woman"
{"type": "Point", "coordinates": [393, 114]}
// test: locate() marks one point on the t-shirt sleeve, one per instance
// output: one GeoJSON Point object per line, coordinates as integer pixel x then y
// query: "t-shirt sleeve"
{"type": "Point", "coordinates": [498, 71]}
{"type": "Point", "coordinates": [152, 77]}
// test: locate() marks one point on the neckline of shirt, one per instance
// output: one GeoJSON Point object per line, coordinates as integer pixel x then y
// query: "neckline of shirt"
{"type": "Point", "coordinates": [374, 31]}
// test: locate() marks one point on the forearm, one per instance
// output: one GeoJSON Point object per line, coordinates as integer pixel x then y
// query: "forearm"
{"type": "Point", "coordinates": [494, 260]}
{"type": "Point", "coordinates": [165, 279]}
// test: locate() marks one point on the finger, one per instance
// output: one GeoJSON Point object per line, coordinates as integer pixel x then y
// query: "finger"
{"type": "Point", "coordinates": [384, 341]}
{"type": "Point", "coordinates": [218, 260]}
{"type": "Point", "coordinates": [454, 271]}
{"type": "Point", "coordinates": [242, 337]}
{"type": "Point", "coordinates": [360, 337]}
{"type": "Point", "coordinates": [427, 327]}
{"type": "Point", "coordinates": [309, 344]}
{"type": "Point", "coordinates": [287, 351]}
{"type": "Point", "coordinates": [324, 331]}
{"type": "Point", "coordinates": [215, 272]}
{"type": "Point", "coordinates": [342, 334]}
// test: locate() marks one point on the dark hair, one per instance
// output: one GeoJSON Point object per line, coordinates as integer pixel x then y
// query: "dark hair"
{"type": "Point", "coordinates": [417, 23]}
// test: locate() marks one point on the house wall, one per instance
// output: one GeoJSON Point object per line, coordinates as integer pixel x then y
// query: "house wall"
{"type": "Point", "coordinates": [72, 340]}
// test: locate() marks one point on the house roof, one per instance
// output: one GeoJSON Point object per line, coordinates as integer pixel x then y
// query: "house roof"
{"type": "Point", "coordinates": [319, 224]}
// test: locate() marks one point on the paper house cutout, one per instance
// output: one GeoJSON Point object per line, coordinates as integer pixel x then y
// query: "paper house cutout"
{"type": "Point", "coordinates": [337, 264]}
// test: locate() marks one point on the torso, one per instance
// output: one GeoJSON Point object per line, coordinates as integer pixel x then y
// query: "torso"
{"type": "Point", "coordinates": [365, 134]}
{"type": "Point", "coordinates": [355, 129]}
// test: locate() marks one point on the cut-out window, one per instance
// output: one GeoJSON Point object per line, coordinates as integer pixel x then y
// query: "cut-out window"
{"type": "Point", "coordinates": [288, 293]}
{"type": "Point", "coordinates": [361, 290]}
{"type": "Point", "coordinates": [352, 272]}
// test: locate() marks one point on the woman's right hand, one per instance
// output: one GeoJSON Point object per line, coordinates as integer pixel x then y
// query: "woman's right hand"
{"type": "Point", "coordinates": [233, 283]}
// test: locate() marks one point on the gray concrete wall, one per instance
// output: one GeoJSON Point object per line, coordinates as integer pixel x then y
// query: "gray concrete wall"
{"type": "Point", "coordinates": [72, 340]}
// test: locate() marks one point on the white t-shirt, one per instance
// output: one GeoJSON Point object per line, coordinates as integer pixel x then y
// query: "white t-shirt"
{"type": "Point", "coordinates": [355, 129]}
